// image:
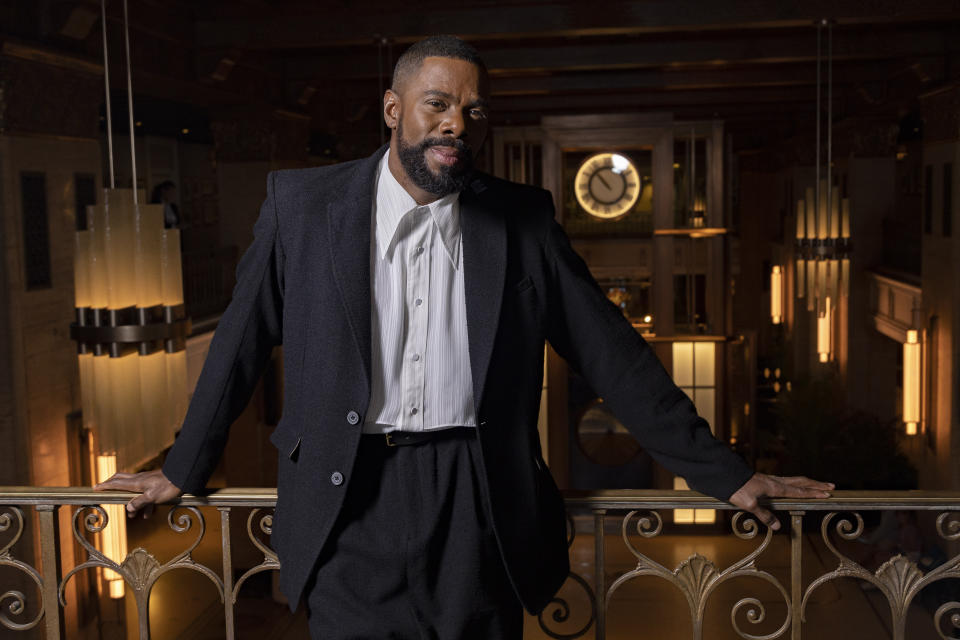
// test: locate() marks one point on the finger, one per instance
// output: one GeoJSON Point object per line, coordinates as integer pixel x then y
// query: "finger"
{"type": "Point", "coordinates": [788, 491]}
{"type": "Point", "coordinates": [138, 503]}
{"type": "Point", "coordinates": [766, 517]}
{"type": "Point", "coordinates": [803, 481]}
{"type": "Point", "coordinates": [148, 510]}
{"type": "Point", "coordinates": [128, 483]}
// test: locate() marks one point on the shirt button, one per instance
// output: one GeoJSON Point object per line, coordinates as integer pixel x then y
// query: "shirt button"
{"type": "Point", "coordinates": [336, 478]}
{"type": "Point", "coordinates": [419, 250]}
{"type": "Point", "coordinates": [418, 301]}
{"type": "Point", "coordinates": [413, 411]}
{"type": "Point", "coordinates": [353, 417]}
{"type": "Point", "coordinates": [416, 357]}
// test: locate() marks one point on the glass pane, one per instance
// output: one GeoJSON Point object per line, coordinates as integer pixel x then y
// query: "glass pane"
{"type": "Point", "coordinates": [689, 181]}
{"type": "Point", "coordinates": [706, 407]}
{"type": "Point", "coordinates": [704, 358]}
{"type": "Point", "coordinates": [683, 364]}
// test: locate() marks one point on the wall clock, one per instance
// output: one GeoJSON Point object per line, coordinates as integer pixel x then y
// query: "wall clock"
{"type": "Point", "coordinates": [607, 185]}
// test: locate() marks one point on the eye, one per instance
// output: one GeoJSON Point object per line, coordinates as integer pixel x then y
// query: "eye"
{"type": "Point", "coordinates": [478, 114]}
{"type": "Point", "coordinates": [437, 104]}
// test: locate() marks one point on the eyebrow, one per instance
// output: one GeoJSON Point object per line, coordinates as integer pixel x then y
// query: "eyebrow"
{"type": "Point", "coordinates": [479, 102]}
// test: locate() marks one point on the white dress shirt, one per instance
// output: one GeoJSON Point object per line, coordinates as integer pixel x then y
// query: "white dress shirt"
{"type": "Point", "coordinates": [421, 377]}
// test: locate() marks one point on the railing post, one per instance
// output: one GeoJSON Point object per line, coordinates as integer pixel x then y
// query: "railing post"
{"type": "Point", "coordinates": [796, 572]}
{"type": "Point", "coordinates": [50, 559]}
{"type": "Point", "coordinates": [599, 573]}
{"type": "Point", "coordinates": [227, 552]}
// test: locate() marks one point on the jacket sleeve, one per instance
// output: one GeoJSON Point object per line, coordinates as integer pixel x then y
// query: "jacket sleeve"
{"type": "Point", "coordinates": [592, 334]}
{"type": "Point", "coordinates": [246, 334]}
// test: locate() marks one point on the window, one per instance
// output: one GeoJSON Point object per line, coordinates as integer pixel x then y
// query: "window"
{"type": "Point", "coordinates": [36, 233]}
{"type": "Point", "coordinates": [947, 199]}
{"type": "Point", "coordinates": [694, 371]}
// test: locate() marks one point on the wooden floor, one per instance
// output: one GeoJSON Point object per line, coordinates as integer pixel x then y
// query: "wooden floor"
{"type": "Point", "coordinates": [185, 605]}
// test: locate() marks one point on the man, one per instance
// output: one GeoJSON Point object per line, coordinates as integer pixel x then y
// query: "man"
{"type": "Point", "coordinates": [413, 297]}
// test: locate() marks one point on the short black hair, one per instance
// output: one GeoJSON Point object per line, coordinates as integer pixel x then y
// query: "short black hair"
{"type": "Point", "coordinates": [440, 46]}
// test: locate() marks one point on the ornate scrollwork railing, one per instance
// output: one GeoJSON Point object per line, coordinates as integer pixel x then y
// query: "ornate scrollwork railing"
{"type": "Point", "coordinates": [580, 610]}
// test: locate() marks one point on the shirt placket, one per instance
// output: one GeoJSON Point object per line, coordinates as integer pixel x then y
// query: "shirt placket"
{"type": "Point", "coordinates": [415, 300]}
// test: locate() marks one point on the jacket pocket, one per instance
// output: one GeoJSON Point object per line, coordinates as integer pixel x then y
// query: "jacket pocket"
{"type": "Point", "coordinates": [287, 441]}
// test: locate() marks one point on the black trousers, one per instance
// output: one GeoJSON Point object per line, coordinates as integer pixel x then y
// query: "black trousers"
{"type": "Point", "coordinates": [413, 553]}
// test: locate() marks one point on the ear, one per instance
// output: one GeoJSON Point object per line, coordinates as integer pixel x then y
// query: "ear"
{"type": "Point", "coordinates": [391, 108]}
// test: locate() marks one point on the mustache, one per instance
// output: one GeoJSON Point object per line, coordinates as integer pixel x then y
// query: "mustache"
{"type": "Point", "coordinates": [456, 143]}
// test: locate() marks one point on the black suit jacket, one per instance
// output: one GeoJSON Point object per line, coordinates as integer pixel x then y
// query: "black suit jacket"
{"type": "Point", "coordinates": [305, 283]}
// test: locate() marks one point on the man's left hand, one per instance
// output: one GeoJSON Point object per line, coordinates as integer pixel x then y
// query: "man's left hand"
{"type": "Point", "coordinates": [761, 485]}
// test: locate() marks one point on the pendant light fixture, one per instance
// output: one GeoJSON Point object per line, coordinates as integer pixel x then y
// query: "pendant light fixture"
{"type": "Point", "coordinates": [130, 326]}
{"type": "Point", "coordinates": [823, 241]}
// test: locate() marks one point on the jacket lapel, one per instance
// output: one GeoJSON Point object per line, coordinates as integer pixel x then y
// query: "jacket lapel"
{"type": "Point", "coordinates": [484, 263]}
{"type": "Point", "coordinates": [349, 212]}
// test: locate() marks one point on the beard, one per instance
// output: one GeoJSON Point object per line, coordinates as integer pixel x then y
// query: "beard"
{"type": "Point", "coordinates": [447, 180]}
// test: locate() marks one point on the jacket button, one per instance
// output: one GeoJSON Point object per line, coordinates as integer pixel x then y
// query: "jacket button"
{"type": "Point", "coordinates": [336, 478]}
{"type": "Point", "coordinates": [353, 417]}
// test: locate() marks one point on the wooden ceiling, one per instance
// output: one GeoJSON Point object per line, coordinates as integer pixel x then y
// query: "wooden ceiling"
{"type": "Point", "coordinates": [748, 62]}
{"type": "Point", "coordinates": [745, 60]}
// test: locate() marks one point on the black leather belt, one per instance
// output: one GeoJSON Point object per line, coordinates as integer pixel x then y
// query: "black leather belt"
{"type": "Point", "coordinates": [409, 438]}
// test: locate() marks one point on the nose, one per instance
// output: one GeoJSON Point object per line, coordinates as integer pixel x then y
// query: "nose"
{"type": "Point", "coordinates": [453, 124]}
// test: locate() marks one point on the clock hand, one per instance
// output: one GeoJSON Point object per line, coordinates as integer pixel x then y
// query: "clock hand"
{"type": "Point", "coordinates": [600, 178]}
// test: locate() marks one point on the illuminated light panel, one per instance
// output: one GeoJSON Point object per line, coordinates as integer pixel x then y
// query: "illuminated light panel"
{"type": "Point", "coordinates": [691, 516]}
{"type": "Point", "coordinates": [113, 539]}
{"type": "Point", "coordinates": [911, 382]}
{"type": "Point", "coordinates": [776, 295]}
{"type": "Point", "coordinates": [824, 329]}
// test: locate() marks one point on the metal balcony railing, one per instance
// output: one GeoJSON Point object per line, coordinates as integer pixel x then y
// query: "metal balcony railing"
{"type": "Point", "coordinates": [620, 523]}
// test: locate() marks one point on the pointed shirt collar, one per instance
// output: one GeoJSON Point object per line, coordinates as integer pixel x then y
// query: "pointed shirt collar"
{"type": "Point", "coordinates": [394, 203]}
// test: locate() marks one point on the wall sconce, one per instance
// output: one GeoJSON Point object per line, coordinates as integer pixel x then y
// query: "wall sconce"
{"type": "Point", "coordinates": [824, 332]}
{"type": "Point", "coordinates": [776, 294]}
{"type": "Point", "coordinates": [911, 382]}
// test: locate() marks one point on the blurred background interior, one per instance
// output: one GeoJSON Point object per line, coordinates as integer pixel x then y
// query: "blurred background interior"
{"type": "Point", "coordinates": [776, 218]}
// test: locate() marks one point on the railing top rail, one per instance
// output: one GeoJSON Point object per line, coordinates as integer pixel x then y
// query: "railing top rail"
{"type": "Point", "coordinates": [614, 499]}
{"type": "Point", "coordinates": [620, 499]}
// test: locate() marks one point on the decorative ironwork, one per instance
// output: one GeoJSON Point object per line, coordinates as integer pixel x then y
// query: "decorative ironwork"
{"type": "Point", "coordinates": [898, 579]}
{"type": "Point", "coordinates": [559, 609]}
{"type": "Point", "coordinates": [12, 600]}
{"type": "Point", "coordinates": [140, 570]}
{"type": "Point", "coordinates": [270, 561]}
{"type": "Point", "coordinates": [697, 577]}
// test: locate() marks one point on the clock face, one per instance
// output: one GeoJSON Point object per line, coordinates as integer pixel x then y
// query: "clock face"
{"type": "Point", "coordinates": [607, 185]}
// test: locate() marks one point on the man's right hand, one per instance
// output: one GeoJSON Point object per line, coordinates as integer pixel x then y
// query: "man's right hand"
{"type": "Point", "coordinates": [153, 486]}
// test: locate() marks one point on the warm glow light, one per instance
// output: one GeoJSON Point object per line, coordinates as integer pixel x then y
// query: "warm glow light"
{"type": "Point", "coordinates": [801, 280]}
{"type": "Point", "coordinates": [824, 329]}
{"type": "Point", "coordinates": [148, 260]}
{"type": "Point", "coordinates": [647, 319]}
{"type": "Point", "coordinates": [113, 539]}
{"type": "Point", "coordinates": [171, 271]}
{"type": "Point", "coordinates": [776, 295]}
{"type": "Point", "coordinates": [694, 371]}
{"type": "Point", "coordinates": [133, 403]}
{"type": "Point", "coordinates": [120, 248]}
{"type": "Point", "coordinates": [682, 516]}
{"type": "Point", "coordinates": [911, 382]}
{"type": "Point", "coordinates": [691, 516]}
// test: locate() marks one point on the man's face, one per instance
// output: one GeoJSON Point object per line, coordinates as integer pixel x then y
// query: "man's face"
{"type": "Point", "coordinates": [440, 116]}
